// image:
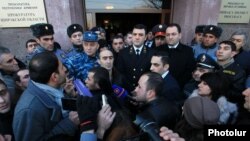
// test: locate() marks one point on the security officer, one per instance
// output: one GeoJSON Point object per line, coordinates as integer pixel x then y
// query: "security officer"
{"type": "Point", "coordinates": [204, 64]}
{"type": "Point", "coordinates": [43, 33]}
{"type": "Point", "coordinates": [134, 60]}
{"type": "Point", "coordinates": [236, 75]}
{"type": "Point", "coordinates": [75, 33]}
{"type": "Point", "coordinates": [209, 44]}
{"type": "Point", "coordinates": [79, 64]}
{"type": "Point", "coordinates": [198, 35]}
{"type": "Point", "coordinates": [159, 32]}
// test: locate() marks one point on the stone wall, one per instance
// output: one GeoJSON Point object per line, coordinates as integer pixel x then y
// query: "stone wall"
{"type": "Point", "coordinates": [60, 13]}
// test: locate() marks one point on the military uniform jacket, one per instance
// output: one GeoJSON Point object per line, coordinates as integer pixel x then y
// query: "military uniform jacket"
{"type": "Point", "coordinates": [73, 51]}
{"type": "Point", "coordinates": [237, 78]}
{"type": "Point", "coordinates": [132, 66]}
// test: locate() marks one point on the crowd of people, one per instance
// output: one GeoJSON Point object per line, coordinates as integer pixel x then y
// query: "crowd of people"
{"type": "Point", "coordinates": [146, 85]}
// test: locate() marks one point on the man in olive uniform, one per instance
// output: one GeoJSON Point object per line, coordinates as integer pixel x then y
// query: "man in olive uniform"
{"type": "Point", "coordinates": [43, 33]}
{"type": "Point", "coordinates": [134, 60]}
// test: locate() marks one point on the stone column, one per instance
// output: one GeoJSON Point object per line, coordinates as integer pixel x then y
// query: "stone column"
{"type": "Point", "coordinates": [62, 13]}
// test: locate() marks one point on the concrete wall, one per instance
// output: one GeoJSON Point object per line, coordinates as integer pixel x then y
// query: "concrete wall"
{"type": "Point", "coordinates": [60, 13]}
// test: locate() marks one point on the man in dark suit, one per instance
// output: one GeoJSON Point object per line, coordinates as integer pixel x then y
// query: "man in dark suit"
{"type": "Point", "coordinates": [160, 64]}
{"type": "Point", "coordinates": [182, 57]}
{"type": "Point", "coordinates": [134, 60]}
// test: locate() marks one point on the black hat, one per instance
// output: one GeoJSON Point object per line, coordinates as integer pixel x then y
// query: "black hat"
{"type": "Point", "coordinates": [206, 61]}
{"type": "Point", "coordinates": [42, 29]}
{"type": "Point", "coordinates": [212, 29]}
{"type": "Point", "coordinates": [199, 28]}
{"type": "Point", "coordinates": [159, 30]}
{"type": "Point", "coordinates": [74, 28]}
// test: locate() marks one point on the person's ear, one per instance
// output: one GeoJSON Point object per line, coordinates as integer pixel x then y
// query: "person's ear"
{"type": "Point", "coordinates": [151, 94]}
{"type": "Point", "coordinates": [53, 77]}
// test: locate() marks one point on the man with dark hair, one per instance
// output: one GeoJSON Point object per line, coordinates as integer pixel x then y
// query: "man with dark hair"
{"type": "Point", "coordinates": [160, 64]}
{"type": "Point", "coordinates": [154, 108]}
{"type": "Point", "coordinates": [44, 36]}
{"type": "Point", "coordinates": [39, 114]}
{"type": "Point", "coordinates": [75, 33]}
{"type": "Point", "coordinates": [21, 78]}
{"type": "Point", "coordinates": [30, 45]}
{"type": "Point", "coordinates": [128, 39]}
{"type": "Point", "coordinates": [134, 60]}
{"type": "Point", "coordinates": [198, 35]}
{"type": "Point", "coordinates": [235, 74]}
{"type": "Point", "coordinates": [117, 46]}
{"type": "Point", "coordinates": [181, 56]}
{"type": "Point", "coordinates": [211, 35]}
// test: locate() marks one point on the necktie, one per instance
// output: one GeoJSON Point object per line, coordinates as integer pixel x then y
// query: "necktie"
{"type": "Point", "coordinates": [137, 52]}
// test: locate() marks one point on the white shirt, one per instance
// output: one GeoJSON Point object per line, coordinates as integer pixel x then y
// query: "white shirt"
{"type": "Point", "coordinates": [175, 46]}
{"type": "Point", "coordinates": [140, 48]}
{"type": "Point", "coordinates": [164, 74]}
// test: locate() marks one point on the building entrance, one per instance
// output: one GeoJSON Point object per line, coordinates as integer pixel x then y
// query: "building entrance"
{"type": "Point", "coordinates": [123, 22]}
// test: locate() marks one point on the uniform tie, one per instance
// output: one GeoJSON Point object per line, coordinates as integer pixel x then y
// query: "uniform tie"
{"type": "Point", "coordinates": [137, 52]}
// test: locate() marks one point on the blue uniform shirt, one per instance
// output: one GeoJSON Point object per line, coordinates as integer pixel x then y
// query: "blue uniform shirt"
{"type": "Point", "coordinates": [58, 52]}
{"type": "Point", "coordinates": [79, 65]}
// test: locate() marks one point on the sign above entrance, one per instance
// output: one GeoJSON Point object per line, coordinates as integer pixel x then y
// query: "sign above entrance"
{"type": "Point", "coordinates": [234, 11]}
{"type": "Point", "coordinates": [15, 13]}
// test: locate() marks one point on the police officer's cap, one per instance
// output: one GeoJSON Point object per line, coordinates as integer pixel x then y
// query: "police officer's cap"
{"type": "Point", "coordinates": [74, 28]}
{"type": "Point", "coordinates": [90, 36]}
{"type": "Point", "coordinates": [159, 30]}
{"type": "Point", "coordinates": [42, 29]}
{"type": "Point", "coordinates": [206, 61]}
{"type": "Point", "coordinates": [199, 28]}
{"type": "Point", "coordinates": [212, 29]}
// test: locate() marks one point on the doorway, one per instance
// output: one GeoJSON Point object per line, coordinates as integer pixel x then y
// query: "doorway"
{"type": "Point", "coordinates": [115, 23]}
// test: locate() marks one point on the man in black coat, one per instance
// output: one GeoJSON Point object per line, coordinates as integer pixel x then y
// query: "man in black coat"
{"type": "Point", "coordinates": [134, 60]}
{"type": "Point", "coordinates": [235, 74]}
{"type": "Point", "coordinates": [182, 57]}
{"type": "Point", "coordinates": [153, 108]}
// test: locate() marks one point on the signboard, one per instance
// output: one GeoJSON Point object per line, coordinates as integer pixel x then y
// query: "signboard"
{"type": "Point", "coordinates": [21, 13]}
{"type": "Point", "coordinates": [234, 11]}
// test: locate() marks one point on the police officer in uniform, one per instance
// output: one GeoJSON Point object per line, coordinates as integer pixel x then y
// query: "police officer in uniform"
{"type": "Point", "coordinates": [134, 60]}
{"type": "Point", "coordinates": [198, 35]}
{"type": "Point", "coordinates": [43, 33]}
{"type": "Point", "coordinates": [75, 33]}
{"type": "Point", "coordinates": [209, 44]}
{"type": "Point", "coordinates": [159, 32]}
{"type": "Point", "coordinates": [79, 64]}
{"type": "Point", "coordinates": [205, 64]}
